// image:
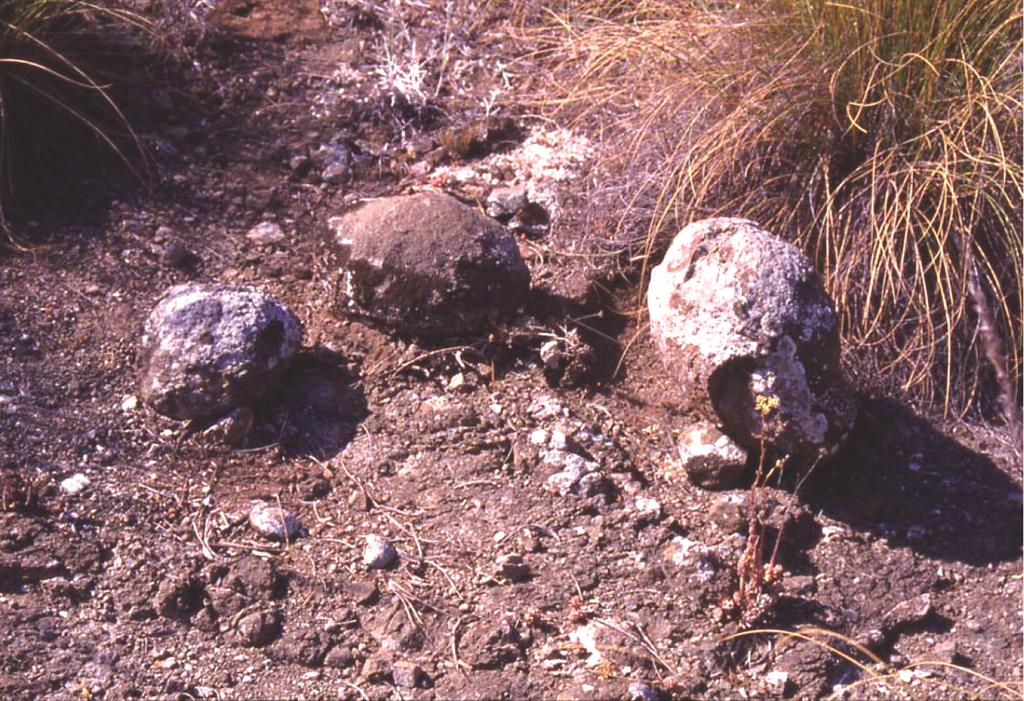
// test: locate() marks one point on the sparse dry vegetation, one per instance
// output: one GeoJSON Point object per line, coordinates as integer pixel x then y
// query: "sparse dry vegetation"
{"type": "Point", "coordinates": [57, 58]}
{"type": "Point", "coordinates": [884, 136]}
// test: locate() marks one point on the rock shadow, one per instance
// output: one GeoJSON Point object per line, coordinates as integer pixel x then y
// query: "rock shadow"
{"type": "Point", "coordinates": [317, 406]}
{"type": "Point", "coordinates": [903, 480]}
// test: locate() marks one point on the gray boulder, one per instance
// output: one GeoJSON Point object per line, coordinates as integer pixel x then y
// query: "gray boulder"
{"type": "Point", "coordinates": [207, 348]}
{"type": "Point", "coordinates": [427, 265]}
{"type": "Point", "coordinates": [743, 321]}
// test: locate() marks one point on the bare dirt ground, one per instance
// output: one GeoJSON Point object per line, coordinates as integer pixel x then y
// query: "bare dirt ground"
{"type": "Point", "coordinates": [149, 583]}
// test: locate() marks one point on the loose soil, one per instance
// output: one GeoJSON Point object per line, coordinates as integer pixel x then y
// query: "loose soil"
{"type": "Point", "coordinates": [149, 583]}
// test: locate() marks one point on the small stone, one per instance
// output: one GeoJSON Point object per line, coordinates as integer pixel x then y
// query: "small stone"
{"type": "Point", "coordinates": [647, 509]}
{"type": "Point", "coordinates": [259, 629]}
{"type": "Point", "coordinates": [777, 680]}
{"type": "Point", "coordinates": [272, 521]}
{"type": "Point", "coordinates": [362, 592]}
{"type": "Point", "coordinates": [337, 160]}
{"type": "Point", "coordinates": [638, 691]}
{"type": "Point", "coordinates": [339, 658]}
{"type": "Point", "coordinates": [266, 233]}
{"type": "Point", "coordinates": [175, 255]}
{"type": "Point", "coordinates": [75, 484]}
{"type": "Point", "coordinates": [233, 428]}
{"type": "Point", "coordinates": [539, 437]}
{"type": "Point", "coordinates": [729, 512]}
{"type": "Point", "coordinates": [130, 403]}
{"type": "Point", "coordinates": [559, 440]}
{"type": "Point", "coordinates": [491, 644]}
{"type": "Point", "coordinates": [908, 613]}
{"type": "Point", "coordinates": [611, 641]}
{"type": "Point", "coordinates": [512, 567]}
{"type": "Point", "coordinates": [379, 553]}
{"type": "Point", "coordinates": [457, 382]}
{"type": "Point", "coordinates": [377, 669]}
{"type": "Point", "coordinates": [504, 202]}
{"type": "Point", "coordinates": [947, 651]}
{"type": "Point", "coordinates": [406, 675]}
{"type": "Point", "coordinates": [178, 597]}
{"type": "Point", "coordinates": [711, 459]}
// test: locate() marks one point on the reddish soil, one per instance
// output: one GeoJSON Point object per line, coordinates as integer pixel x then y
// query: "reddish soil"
{"type": "Point", "coordinates": [150, 584]}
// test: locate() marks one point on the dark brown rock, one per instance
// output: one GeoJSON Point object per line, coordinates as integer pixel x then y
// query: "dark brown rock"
{"type": "Point", "coordinates": [427, 265]}
{"type": "Point", "coordinates": [259, 628]}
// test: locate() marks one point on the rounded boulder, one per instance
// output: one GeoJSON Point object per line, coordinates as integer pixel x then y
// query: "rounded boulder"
{"type": "Point", "coordinates": [743, 321]}
{"type": "Point", "coordinates": [427, 265]}
{"type": "Point", "coordinates": [207, 348]}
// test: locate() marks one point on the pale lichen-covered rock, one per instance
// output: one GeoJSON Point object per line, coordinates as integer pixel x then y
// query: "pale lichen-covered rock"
{"type": "Point", "coordinates": [207, 348]}
{"type": "Point", "coordinates": [427, 265]}
{"type": "Point", "coordinates": [743, 321]}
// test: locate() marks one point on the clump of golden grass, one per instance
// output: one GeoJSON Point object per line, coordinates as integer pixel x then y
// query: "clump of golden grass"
{"type": "Point", "coordinates": [53, 107]}
{"type": "Point", "coordinates": [882, 135]}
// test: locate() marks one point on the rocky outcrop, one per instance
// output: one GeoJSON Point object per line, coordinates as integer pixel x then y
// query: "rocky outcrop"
{"type": "Point", "coordinates": [743, 321]}
{"type": "Point", "coordinates": [427, 265]}
{"type": "Point", "coordinates": [208, 348]}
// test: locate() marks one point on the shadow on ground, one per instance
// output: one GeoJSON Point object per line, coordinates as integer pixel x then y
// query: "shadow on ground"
{"type": "Point", "coordinates": [903, 480]}
{"type": "Point", "coordinates": [322, 403]}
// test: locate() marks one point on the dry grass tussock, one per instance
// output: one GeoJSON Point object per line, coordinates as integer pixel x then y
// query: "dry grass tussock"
{"type": "Point", "coordinates": [883, 136]}
{"type": "Point", "coordinates": [58, 60]}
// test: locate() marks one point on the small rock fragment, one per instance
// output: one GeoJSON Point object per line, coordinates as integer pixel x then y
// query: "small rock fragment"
{"type": "Point", "coordinates": [379, 553]}
{"type": "Point", "coordinates": [272, 521]}
{"type": "Point", "coordinates": [611, 641]}
{"type": "Point", "coordinates": [178, 597]}
{"type": "Point", "coordinates": [908, 613]}
{"type": "Point", "coordinates": [259, 628]}
{"type": "Point", "coordinates": [362, 592]}
{"type": "Point", "coordinates": [711, 459]}
{"type": "Point", "coordinates": [504, 202]}
{"type": "Point", "coordinates": [377, 669]}
{"type": "Point", "coordinates": [647, 509]}
{"type": "Point", "coordinates": [491, 645]}
{"type": "Point", "coordinates": [729, 512]}
{"type": "Point", "coordinates": [406, 675]}
{"type": "Point", "coordinates": [512, 567]}
{"type": "Point", "coordinates": [266, 233]}
{"type": "Point", "coordinates": [233, 428]}
{"type": "Point", "coordinates": [638, 691]}
{"type": "Point", "coordinates": [337, 160]}
{"type": "Point", "coordinates": [339, 657]}
{"type": "Point", "coordinates": [174, 254]}
{"type": "Point", "coordinates": [75, 484]}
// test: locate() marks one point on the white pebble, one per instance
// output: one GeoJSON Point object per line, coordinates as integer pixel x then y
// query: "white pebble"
{"type": "Point", "coordinates": [75, 484]}
{"type": "Point", "coordinates": [272, 521]}
{"type": "Point", "coordinates": [130, 403]}
{"type": "Point", "coordinates": [559, 440]}
{"type": "Point", "coordinates": [647, 507]}
{"type": "Point", "coordinates": [266, 233]}
{"type": "Point", "coordinates": [379, 553]}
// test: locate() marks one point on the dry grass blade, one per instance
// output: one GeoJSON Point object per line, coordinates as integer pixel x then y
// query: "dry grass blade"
{"type": "Point", "coordinates": [873, 664]}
